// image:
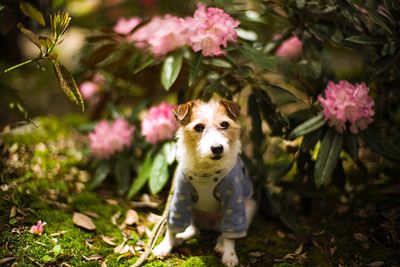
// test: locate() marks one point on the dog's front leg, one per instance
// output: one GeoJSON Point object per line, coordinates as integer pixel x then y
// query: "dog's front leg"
{"type": "Point", "coordinates": [166, 245]}
{"type": "Point", "coordinates": [229, 257]}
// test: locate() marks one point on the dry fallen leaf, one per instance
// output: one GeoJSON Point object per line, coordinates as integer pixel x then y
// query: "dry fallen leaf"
{"type": "Point", "coordinates": [153, 218]}
{"type": "Point", "coordinates": [280, 234]}
{"type": "Point", "coordinates": [7, 259]}
{"type": "Point", "coordinates": [141, 230]}
{"type": "Point", "coordinates": [94, 257]}
{"type": "Point", "coordinates": [103, 264]}
{"type": "Point", "coordinates": [121, 248]}
{"type": "Point", "coordinates": [58, 233]}
{"type": "Point", "coordinates": [131, 217]}
{"type": "Point", "coordinates": [109, 240]}
{"type": "Point", "coordinates": [115, 217]}
{"type": "Point", "coordinates": [83, 221]}
{"type": "Point", "coordinates": [360, 237]}
{"type": "Point", "coordinates": [299, 249]}
{"type": "Point", "coordinates": [256, 254]}
{"type": "Point", "coordinates": [375, 264]}
{"type": "Point", "coordinates": [13, 211]}
{"type": "Point", "coordinates": [112, 202]}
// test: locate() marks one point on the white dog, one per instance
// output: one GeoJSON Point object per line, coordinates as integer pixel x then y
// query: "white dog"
{"type": "Point", "coordinates": [212, 190]}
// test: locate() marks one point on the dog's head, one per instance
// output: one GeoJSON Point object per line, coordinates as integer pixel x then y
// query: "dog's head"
{"type": "Point", "coordinates": [209, 131]}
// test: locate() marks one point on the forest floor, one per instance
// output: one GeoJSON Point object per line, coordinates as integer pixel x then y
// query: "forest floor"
{"type": "Point", "coordinates": [361, 231]}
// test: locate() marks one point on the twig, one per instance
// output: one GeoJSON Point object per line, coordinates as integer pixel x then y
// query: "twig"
{"type": "Point", "coordinates": [156, 231]}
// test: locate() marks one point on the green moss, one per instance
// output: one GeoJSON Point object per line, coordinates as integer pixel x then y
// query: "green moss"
{"type": "Point", "coordinates": [202, 261]}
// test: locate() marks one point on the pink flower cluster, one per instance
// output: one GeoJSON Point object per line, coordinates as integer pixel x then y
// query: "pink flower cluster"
{"type": "Point", "coordinates": [90, 88]}
{"type": "Point", "coordinates": [208, 31]}
{"type": "Point", "coordinates": [159, 123]}
{"type": "Point", "coordinates": [347, 103]}
{"type": "Point", "coordinates": [38, 228]}
{"type": "Point", "coordinates": [109, 138]}
{"type": "Point", "coordinates": [125, 26]}
{"type": "Point", "coordinates": [160, 35]}
{"type": "Point", "coordinates": [290, 48]}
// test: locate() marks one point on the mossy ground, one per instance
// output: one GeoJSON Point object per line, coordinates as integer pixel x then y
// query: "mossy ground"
{"type": "Point", "coordinates": [50, 187]}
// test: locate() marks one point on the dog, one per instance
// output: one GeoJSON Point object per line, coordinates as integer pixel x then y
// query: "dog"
{"type": "Point", "coordinates": [212, 188]}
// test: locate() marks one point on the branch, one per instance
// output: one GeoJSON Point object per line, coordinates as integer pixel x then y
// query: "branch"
{"type": "Point", "coordinates": [156, 231]}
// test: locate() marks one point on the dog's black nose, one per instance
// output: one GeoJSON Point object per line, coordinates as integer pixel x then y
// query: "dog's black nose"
{"type": "Point", "coordinates": [217, 150]}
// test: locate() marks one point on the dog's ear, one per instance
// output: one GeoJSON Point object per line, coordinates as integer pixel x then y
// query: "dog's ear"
{"type": "Point", "coordinates": [232, 108]}
{"type": "Point", "coordinates": [183, 112]}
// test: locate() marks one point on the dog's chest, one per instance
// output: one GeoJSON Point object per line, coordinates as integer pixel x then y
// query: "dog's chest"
{"type": "Point", "coordinates": [204, 185]}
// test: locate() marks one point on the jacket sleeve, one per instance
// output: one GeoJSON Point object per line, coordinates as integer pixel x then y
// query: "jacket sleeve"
{"type": "Point", "coordinates": [234, 223]}
{"type": "Point", "coordinates": [179, 217]}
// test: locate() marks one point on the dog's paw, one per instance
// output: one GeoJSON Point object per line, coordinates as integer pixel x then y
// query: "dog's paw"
{"type": "Point", "coordinates": [219, 247]}
{"type": "Point", "coordinates": [230, 259]}
{"type": "Point", "coordinates": [162, 250]}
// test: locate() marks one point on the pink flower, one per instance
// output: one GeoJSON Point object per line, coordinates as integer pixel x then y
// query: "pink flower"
{"type": "Point", "coordinates": [345, 102]}
{"type": "Point", "coordinates": [38, 228]}
{"type": "Point", "coordinates": [109, 138]}
{"type": "Point", "coordinates": [88, 89]}
{"type": "Point", "coordinates": [125, 26]}
{"type": "Point", "coordinates": [209, 29]}
{"type": "Point", "coordinates": [159, 124]}
{"type": "Point", "coordinates": [290, 48]}
{"type": "Point", "coordinates": [161, 35]}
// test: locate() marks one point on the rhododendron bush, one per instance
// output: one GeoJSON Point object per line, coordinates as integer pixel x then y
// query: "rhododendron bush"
{"type": "Point", "coordinates": [320, 77]}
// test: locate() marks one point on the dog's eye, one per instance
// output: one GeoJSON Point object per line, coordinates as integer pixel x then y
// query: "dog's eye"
{"type": "Point", "coordinates": [224, 125]}
{"type": "Point", "coordinates": [199, 128]}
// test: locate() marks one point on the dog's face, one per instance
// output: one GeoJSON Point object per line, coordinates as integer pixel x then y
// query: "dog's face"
{"type": "Point", "coordinates": [209, 131]}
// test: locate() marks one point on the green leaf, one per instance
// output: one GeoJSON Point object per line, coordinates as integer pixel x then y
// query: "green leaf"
{"type": "Point", "coordinates": [68, 84]}
{"type": "Point", "coordinates": [29, 34]}
{"type": "Point", "coordinates": [256, 56]}
{"type": "Point", "coordinates": [57, 249]}
{"type": "Point", "coordinates": [351, 145]}
{"type": "Point", "coordinates": [195, 68]}
{"type": "Point", "coordinates": [310, 140]}
{"type": "Point", "coordinates": [170, 70]}
{"type": "Point", "coordinates": [158, 173]}
{"type": "Point", "coordinates": [142, 177]}
{"type": "Point", "coordinates": [31, 11]}
{"type": "Point", "coordinates": [100, 54]}
{"type": "Point", "coordinates": [47, 258]}
{"type": "Point", "coordinates": [328, 156]}
{"type": "Point", "coordinates": [365, 39]}
{"type": "Point", "coordinates": [307, 127]}
{"type": "Point", "coordinates": [256, 132]}
{"type": "Point", "coordinates": [381, 145]}
{"type": "Point", "coordinates": [217, 87]}
{"type": "Point", "coordinates": [169, 150]}
{"type": "Point", "coordinates": [10, 99]}
{"type": "Point", "coordinates": [100, 174]}
{"type": "Point", "coordinates": [122, 173]}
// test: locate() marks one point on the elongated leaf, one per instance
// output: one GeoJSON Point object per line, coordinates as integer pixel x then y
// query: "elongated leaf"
{"type": "Point", "coordinates": [169, 150]}
{"type": "Point", "coordinates": [328, 156]}
{"type": "Point", "coordinates": [122, 174]}
{"type": "Point", "coordinates": [218, 88]}
{"type": "Point", "coordinates": [351, 145]}
{"type": "Point", "coordinates": [259, 58]}
{"type": "Point", "coordinates": [381, 145]}
{"type": "Point", "coordinates": [256, 132]}
{"type": "Point", "coordinates": [307, 127]}
{"type": "Point", "coordinates": [170, 70]}
{"type": "Point", "coordinates": [195, 68]}
{"type": "Point", "coordinates": [10, 99]}
{"type": "Point", "coordinates": [68, 84]}
{"type": "Point", "coordinates": [29, 34]}
{"type": "Point", "coordinates": [159, 173]}
{"type": "Point", "coordinates": [99, 54]}
{"type": "Point", "coordinates": [365, 39]}
{"type": "Point", "coordinates": [31, 11]}
{"type": "Point", "coordinates": [142, 177]}
{"type": "Point", "coordinates": [100, 174]}
{"type": "Point", "coordinates": [310, 140]}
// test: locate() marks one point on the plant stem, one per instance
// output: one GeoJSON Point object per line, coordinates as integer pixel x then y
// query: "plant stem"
{"type": "Point", "coordinates": [18, 66]}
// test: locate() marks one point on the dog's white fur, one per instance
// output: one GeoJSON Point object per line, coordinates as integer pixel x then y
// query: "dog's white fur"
{"type": "Point", "coordinates": [194, 155]}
